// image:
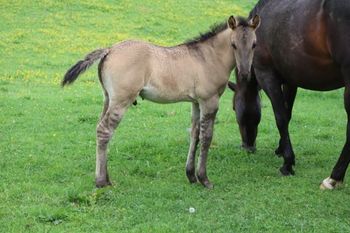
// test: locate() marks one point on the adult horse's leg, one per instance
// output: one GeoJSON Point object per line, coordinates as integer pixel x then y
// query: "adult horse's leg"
{"type": "Point", "coordinates": [190, 168]}
{"type": "Point", "coordinates": [269, 81]}
{"type": "Point", "coordinates": [208, 110]}
{"type": "Point", "coordinates": [289, 93]}
{"type": "Point", "coordinates": [342, 164]}
{"type": "Point", "coordinates": [104, 132]}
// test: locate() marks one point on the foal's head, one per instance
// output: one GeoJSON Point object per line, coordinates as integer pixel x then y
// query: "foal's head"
{"type": "Point", "coordinates": [243, 41]}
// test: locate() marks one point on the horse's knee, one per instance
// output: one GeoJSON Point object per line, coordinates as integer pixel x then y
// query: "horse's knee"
{"type": "Point", "coordinates": [206, 133]}
{"type": "Point", "coordinates": [206, 138]}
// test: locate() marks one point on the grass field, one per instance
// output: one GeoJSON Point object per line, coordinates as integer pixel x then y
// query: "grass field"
{"type": "Point", "coordinates": [47, 135]}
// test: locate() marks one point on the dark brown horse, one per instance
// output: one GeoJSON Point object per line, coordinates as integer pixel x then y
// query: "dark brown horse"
{"type": "Point", "coordinates": [300, 44]}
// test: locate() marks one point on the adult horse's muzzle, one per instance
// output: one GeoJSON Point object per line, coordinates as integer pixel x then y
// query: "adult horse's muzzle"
{"type": "Point", "coordinates": [244, 75]}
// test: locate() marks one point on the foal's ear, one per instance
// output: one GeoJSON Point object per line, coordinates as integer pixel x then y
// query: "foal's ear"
{"type": "Point", "coordinates": [255, 22]}
{"type": "Point", "coordinates": [232, 22]}
{"type": "Point", "coordinates": [232, 85]}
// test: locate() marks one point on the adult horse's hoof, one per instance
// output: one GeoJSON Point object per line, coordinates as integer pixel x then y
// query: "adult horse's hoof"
{"type": "Point", "coordinates": [330, 184]}
{"type": "Point", "coordinates": [287, 171]}
{"type": "Point", "coordinates": [249, 149]}
{"type": "Point", "coordinates": [102, 183]}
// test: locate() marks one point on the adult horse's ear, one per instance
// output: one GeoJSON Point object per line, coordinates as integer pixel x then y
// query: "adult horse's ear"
{"type": "Point", "coordinates": [232, 22]}
{"type": "Point", "coordinates": [255, 22]}
{"type": "Point", "coordinates": [232, 85]}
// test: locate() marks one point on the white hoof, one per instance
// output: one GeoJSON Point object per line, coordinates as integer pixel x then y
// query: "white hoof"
{"type": "Point", "coordinates": [329, 184]}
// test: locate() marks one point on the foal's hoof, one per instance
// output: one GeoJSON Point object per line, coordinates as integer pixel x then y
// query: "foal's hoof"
{"type": "Point", "coordinates": [102, 183]}
{"type": "Point", "coordinates": [330, 184]}
{"type": "Point", "coordinates": [206, 183]}
{"type": "Point", "coordinates": [285, 171]}
{"type": "Point", "coordinates": [191, 176]}
{"type": "Point", "coordinates": [192, 179]}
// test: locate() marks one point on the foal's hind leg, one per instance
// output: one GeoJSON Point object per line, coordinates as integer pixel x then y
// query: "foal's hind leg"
{"type": "Point", "coordinates": [208, 110]}
{"type": "Point", "coordinates": [105, 105]}
{"type": "Point", "coordinates": [104, 132]}
{"type": "Point", "coordinates": [190, 169]}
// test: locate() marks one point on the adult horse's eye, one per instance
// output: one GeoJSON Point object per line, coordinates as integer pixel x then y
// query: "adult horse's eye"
{"type": "Point", "coordinates": [254, 45]}
{"type": "Point", "coordinates": [234, 46]}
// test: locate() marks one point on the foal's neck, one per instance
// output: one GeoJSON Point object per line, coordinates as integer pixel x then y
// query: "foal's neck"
{"type": "Point", "coordinates": [223, 50]}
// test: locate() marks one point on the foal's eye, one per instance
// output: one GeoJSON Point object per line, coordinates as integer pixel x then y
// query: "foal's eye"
{"type": "Point", "coordinates": [254, 45]}
{"type": "Point", "coordinates": [234, 46]}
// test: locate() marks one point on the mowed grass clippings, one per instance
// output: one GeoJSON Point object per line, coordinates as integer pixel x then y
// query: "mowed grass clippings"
{"type": "Point", "coordinates": [47, 135]}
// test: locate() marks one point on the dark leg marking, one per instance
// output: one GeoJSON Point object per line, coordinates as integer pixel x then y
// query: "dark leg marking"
{"type": "Point", "coordinates": [104, 133]}
{"type": "Point", "coordinates": [190, 164]}
{"type": "Point", "coordinates": [206, 135]}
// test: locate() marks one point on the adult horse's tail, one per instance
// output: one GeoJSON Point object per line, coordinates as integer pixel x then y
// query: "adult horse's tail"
{"type": "Point", "coordinates": [82, 65]}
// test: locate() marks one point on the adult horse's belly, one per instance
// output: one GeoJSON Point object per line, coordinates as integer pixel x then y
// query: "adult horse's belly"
{"type": "Point", "coordinates": [313, 73]}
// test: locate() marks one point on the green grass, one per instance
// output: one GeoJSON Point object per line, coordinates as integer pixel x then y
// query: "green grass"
{"type": "Point", "coordinates": [47, 135]}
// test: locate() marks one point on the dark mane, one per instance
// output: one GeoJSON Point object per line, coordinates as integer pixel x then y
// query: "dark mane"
{"type": "Point", "coordinates": [214, 30]}
{"type": "Point", "coordinates": [257, 8]}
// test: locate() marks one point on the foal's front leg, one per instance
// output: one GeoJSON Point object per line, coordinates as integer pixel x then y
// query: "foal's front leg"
{"type": "Point", "coordinates": [208, 112]}
{"type": "Point", "coordinates": [190, 169]}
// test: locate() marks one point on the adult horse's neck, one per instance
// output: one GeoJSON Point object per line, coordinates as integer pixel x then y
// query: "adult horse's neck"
{"type": "Point", "coordinates": [257, 8]}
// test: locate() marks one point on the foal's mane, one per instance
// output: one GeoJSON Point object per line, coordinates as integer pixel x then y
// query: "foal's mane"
{"type": "Point", "coordinates": [213, 31]}
{"type": "Point", "coordinates": [257, 8]}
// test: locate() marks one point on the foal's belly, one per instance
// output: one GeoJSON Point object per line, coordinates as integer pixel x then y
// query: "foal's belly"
{"type": "Point", "coordinates": [164, 95]}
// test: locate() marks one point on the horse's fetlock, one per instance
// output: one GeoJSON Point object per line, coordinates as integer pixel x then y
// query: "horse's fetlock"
{"type": "Point", "coordinates": [190, 173]}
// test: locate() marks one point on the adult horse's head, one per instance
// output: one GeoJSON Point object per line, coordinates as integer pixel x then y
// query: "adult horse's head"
{"type": "Point", "coordinates": [243, 41]}
{"type": "Point", "coordinates": [246, 104]}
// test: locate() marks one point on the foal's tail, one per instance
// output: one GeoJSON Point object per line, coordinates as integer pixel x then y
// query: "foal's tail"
{"type": "Point", "coordinates": [82, 65]}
